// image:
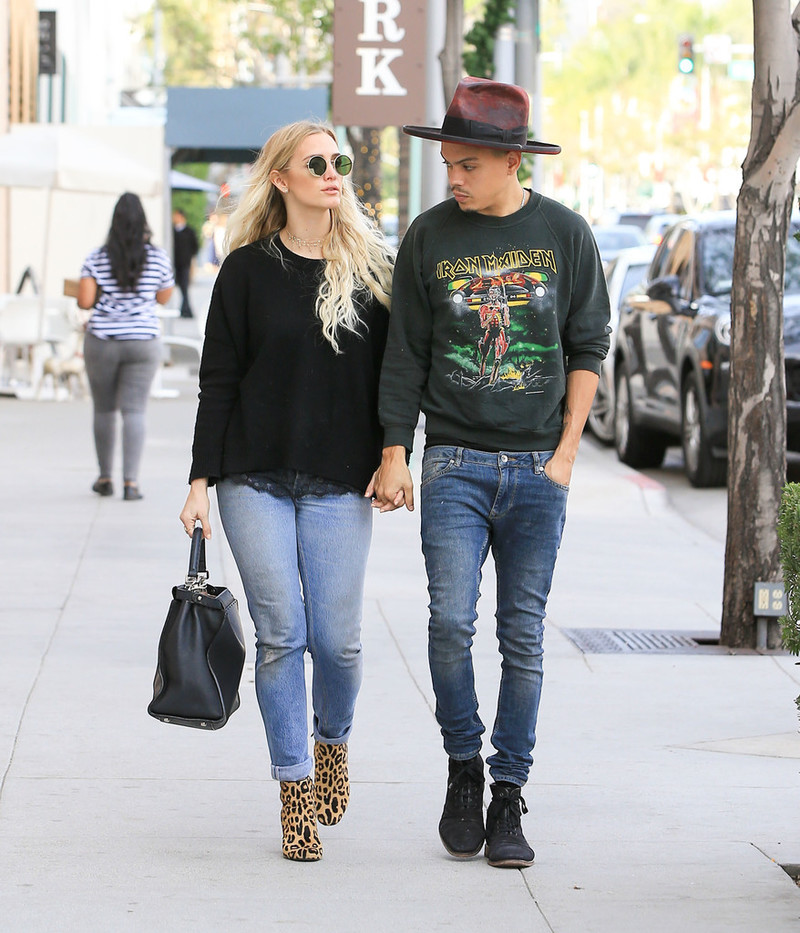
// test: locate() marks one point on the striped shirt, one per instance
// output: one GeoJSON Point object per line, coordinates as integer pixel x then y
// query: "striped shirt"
{"type": "Point", "coordinates": [127, 315]}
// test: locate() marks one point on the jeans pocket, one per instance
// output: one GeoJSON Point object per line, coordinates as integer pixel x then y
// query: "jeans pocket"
{"type": "Point", "coordinates": [545, 456]}
{"type": "Point", "coordinates": [436, 461]}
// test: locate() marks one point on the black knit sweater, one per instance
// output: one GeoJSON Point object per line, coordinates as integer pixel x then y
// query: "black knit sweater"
{"type": "Point", "coordinates": [273, 393]}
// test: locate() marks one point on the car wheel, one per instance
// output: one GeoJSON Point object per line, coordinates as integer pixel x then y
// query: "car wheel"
{"type": "Point", "coordinates": [601, 416]}
{"type": "Point", "coordinates": [638, 447]}
{"type": "Point", "coordinates": [702, 467]}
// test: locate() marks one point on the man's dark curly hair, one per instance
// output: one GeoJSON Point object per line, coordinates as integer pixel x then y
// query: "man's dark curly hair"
{"type": "Point", "coordinates": [127, 241]}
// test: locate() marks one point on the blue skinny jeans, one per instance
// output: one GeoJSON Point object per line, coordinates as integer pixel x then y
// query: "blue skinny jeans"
{"type": "Point", "coordinates": [473, 501]}
{"type": "Point", "coordinates": [302, 561]}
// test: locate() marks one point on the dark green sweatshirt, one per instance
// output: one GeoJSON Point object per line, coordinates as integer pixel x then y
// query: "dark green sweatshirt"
{"type": "Point", "coordinates": [489, 314]}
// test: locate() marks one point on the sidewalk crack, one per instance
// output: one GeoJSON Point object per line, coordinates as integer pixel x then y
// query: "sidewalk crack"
{"type": "Point", "coordinates": [403, 658]}
{"type": "Point", "coordinates": [43, 659]}
{"type": "Point", "coordinates": [533, 898]}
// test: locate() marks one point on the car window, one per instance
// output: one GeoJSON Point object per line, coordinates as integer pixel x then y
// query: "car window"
{"type": "Point", "coordinates": [663, 254]}
{"type": "Point", "coordinates": [717, 260]}
{"type": "Point", "coordinates": [617, 238]}
{"type": "Point", "coordinates": [636, 272]}
{"type": "Point", "coordinates": [680, 261]}
{"type": "Point", "coordinates": [791, 281]}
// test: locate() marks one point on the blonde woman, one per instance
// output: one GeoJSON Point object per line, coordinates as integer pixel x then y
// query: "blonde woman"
{"type": "Point", "coordinates": [287, 429]}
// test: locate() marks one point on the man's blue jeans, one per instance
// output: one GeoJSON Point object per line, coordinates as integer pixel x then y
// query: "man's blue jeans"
{"type": "Point", "coordinates": [473, 501]}
{"type": "Point", "coordinates": [302, 562]}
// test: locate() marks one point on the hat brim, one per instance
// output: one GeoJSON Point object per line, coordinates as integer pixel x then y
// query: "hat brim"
{"type": "Point", "coordinates": [433, 132]}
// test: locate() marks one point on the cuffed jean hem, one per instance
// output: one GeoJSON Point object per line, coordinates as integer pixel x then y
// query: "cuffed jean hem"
{"type": "Point", "coordinates": [508, 778]}
{"type": "Point", "coordinates": [293, 772]}
{"type": "Point", "coordinates": [341, 740]}
{"type": "Point", "coordinates": [463, 757]}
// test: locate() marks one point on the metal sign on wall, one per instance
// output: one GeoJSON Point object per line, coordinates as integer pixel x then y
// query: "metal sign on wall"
{"type": "Point", "coordinates": [378, 62]}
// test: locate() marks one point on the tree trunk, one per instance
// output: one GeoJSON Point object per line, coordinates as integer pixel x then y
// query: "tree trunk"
{"type": "Point", "coordinates": [757, 409]}
{"type": "Point", "coordinates": [403, 184]}
{"type": "Point", "coordinates": [757, 395]}
{"type": "Point", "coordinates": [366, 145]}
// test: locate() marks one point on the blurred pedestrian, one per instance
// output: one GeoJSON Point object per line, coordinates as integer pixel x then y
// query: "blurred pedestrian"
{"type": "Point", "coordinates": [214, 232]}
{"type": "Point", "coordinates": [184, 249]}
{"type": "Point", "coordinates": [218, 236]}
{"type": "Point", "coordinates": [287, 428]}
{"type": "Point", "coordinates": [499, 325]}
{"type": "Point", "coordinates": [122, 282]}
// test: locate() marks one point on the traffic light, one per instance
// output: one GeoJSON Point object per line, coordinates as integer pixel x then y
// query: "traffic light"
{"type": "Point", "coordinates": [686, 55]}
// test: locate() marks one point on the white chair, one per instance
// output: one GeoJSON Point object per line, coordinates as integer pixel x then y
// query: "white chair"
{"type": "Point", "coordinates": [21, 341]}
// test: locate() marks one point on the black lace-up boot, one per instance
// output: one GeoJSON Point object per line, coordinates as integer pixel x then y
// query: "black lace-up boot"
{"type": "Point", "coordinates": [461, 825]}
{"type": "Point", "coordinates": [506, 847]}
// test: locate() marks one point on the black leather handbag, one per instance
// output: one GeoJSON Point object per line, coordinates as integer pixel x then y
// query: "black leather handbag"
{"type": "Point", "coordinates": [201, 651]}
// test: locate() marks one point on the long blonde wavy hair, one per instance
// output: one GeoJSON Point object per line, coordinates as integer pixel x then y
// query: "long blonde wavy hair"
{"type": "Point", "coordinates": [356, 253]}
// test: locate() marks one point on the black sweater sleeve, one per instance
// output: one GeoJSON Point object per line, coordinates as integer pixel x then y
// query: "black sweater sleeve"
{"type": "Point", "coordinates": [222, 366]}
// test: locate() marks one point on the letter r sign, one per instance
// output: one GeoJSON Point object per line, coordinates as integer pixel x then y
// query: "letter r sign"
{"type": "Point", "coordinates": [378, 62]}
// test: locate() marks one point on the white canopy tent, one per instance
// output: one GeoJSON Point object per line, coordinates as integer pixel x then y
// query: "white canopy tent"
{"type": "Point", "coordinates": [180, 181]}
{"type": "Point", "coordinates": [57, 157]}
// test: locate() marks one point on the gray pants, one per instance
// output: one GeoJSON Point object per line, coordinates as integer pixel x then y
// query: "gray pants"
{"type": "Point", "coordinates": [120, 375]}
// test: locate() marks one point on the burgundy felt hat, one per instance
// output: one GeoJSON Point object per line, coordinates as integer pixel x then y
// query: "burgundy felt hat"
{"type": "Point", "coordinates": [486, 113]}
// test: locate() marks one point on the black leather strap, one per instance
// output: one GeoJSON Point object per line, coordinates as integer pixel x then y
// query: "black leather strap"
{"type": "Point", "coordinates": [197, 554]}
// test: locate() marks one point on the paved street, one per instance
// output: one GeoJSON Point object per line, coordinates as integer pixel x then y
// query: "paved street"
{"type": "Point", "coordinates": [664, 796]}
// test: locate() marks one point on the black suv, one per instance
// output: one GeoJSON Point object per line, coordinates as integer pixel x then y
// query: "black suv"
{"type": "Point", "coordinates": [672, 357]}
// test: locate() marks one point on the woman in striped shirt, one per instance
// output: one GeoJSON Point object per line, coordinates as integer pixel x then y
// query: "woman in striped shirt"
{"type": "Point", "coordinates": [122, 282]}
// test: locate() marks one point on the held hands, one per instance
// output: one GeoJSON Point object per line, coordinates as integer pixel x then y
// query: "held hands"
{"type": "Point", "coordinates": [391, 486]}
{"type": "Point", "coordinates": [197, 508]}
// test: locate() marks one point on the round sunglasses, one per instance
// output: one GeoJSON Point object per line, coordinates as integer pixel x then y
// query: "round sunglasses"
{"type": "Point", "coordinates": [318, 165]}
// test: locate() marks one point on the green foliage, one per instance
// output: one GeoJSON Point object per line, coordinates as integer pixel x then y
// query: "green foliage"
{"type": "Point", "coordinates": [479, 61]}
{"type": "Point", "coordinates": [222, 43]}
{"type": "Point", "coordinates": [789, 537]}
{"type": "Point", "coordinates": [615, 97]}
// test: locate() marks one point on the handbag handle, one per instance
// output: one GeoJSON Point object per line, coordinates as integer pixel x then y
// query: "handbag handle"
{"type": "Point", "coordinates": [197, 559]}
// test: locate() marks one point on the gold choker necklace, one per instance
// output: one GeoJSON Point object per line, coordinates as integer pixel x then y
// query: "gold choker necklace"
{"type": "Point", "coordinates": [307, 244]}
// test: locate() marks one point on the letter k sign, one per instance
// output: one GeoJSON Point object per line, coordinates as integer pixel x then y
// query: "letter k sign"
{"type": "Point", "coordinates": [374, 70]}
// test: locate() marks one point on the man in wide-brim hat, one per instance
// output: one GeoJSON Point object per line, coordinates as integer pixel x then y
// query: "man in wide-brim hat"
{"type": "Point", "coordinates": [499, 325]}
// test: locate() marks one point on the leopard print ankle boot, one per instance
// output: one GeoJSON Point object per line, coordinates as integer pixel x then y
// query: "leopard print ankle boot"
{"type": "Point", "coordinates": [331, 782]}
{"type": "Point", "coordinates": [299, 821]}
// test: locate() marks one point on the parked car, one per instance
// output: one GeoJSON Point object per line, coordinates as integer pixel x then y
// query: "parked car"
{"type": "Point", "coordinates": [622, 273]}
{"type": "Point", "coordinates": [611, 238]}
{"type": "Point", "coordinates": [637, 218]}
{"type": "Point", "coordinates": [672, 354]}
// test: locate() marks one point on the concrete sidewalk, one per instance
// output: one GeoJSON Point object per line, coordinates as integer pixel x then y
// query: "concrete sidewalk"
{"type": "Point", "coordinates": [665, 791]}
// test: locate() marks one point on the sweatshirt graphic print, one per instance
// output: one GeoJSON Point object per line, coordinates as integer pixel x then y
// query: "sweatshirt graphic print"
{"type": "Point", "coordinates": [504, 329]}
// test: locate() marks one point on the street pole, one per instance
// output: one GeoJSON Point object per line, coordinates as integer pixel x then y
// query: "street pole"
{"type": "Point", "coordinates": [425, 160]}
{"type": "Point", "coordinates": [504, 54]}
{"type": "Point", "coordinates": [527, 71]}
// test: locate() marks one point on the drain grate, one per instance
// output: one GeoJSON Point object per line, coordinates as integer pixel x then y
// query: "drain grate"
{"type": "Point", "coordinates": [629, 641]}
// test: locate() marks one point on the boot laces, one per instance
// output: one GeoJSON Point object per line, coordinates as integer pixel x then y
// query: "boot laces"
{"type": "Point", "coordinates": [466, 791]}
{"type": "Point", "coordinates": [508, 818]}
